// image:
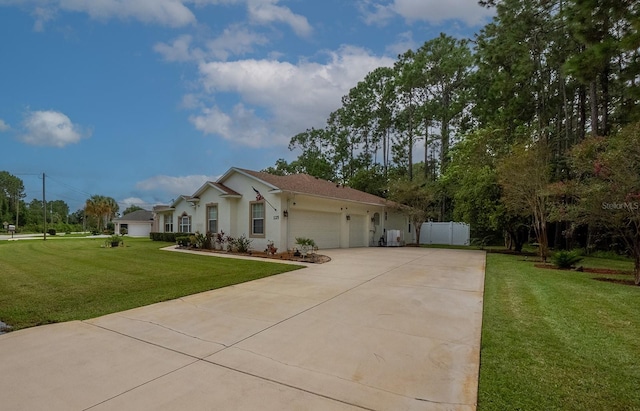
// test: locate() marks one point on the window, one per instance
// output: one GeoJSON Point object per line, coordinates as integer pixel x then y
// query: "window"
{"type": "Point", "coordinates": [185, 223]}
{"type": "Point", "coordinates": [168, 223]}
{"type": "Point", "coordinates": [257, 219]}
{"type": "Point", "coordinates": [212, 218]}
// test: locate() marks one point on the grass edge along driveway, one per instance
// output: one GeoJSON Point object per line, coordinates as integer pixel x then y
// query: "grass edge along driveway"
{"type": "Point", "coordinates": [60, 280]}
{"type": "Point", "coordinates": [558, 340]}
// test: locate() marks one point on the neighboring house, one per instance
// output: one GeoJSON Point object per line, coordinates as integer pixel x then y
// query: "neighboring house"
{"type": "Point", "coordinates": [266, 207]}
{"type": "Point", "coordinates": [137, 224]}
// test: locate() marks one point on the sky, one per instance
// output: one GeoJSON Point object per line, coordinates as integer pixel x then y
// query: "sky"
{"type": "Point", "coordinates": [146, 100]}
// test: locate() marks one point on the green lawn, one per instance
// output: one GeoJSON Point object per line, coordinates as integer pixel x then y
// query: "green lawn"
{"type": "Point", "coordinates": [558, 340]}
{"type": "Point", "coordinates": [73, 279]}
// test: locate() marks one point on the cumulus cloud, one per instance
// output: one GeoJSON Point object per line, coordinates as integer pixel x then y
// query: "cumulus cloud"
{"type": "Point", "coordinates": [172, 13]}
{"type": "Point", "coordinates": [433, 11]}
{"type": "Point", "coordinates": [51, 128]}
{"type": "Point", "coordinates": [133, 201]}
{"type": "Point", "coordinates": [4, 126]}
{"type": "Point", "coordinates": [295, 96]}
{"type": "Point", "coordinates": [235, 40]}
{"type": "Point", "coordinates": [176, 186]}
{"type": "Point", "coordinates": [266, 11]}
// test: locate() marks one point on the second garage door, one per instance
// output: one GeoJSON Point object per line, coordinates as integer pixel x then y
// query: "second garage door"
{"type": "Point", "coordinates": [323, 228]}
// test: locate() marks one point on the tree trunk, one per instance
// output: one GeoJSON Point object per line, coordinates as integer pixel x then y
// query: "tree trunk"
{"type": "Point", "coordinates": [593, 97]}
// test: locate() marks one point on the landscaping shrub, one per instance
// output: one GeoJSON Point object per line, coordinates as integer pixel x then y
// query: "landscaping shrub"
{"type": "Point", "coordinates": [565, 259]}
{"type": "Point", "coordinates": [51, 231]}
{"type": "Point", "coordinates": [167, 237]}
{"type": "Point", "coordinates": [243, 244]}
{"type": "Point", "coordinates": [183, 240]}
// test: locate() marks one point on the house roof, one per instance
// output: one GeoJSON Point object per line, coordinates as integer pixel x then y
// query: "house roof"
{"type": "Point", "coordinates": [226, 191]}
{"type": "Point", "coordinates": [138, 215]}
{"type": "Point", "coordinates": [306, 184]}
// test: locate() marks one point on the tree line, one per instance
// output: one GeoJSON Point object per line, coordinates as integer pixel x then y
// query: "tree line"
{"type": "Point", "coordinates": [96, 215]}
{"type": "Point", "coordinates": [529, 129]}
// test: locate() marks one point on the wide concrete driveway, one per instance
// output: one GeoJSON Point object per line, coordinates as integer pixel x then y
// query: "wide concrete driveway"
{"type": "Point", "coordinates": [374, 329]}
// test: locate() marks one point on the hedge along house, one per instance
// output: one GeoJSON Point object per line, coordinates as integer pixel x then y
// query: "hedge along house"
{"type": "Point", "coordinates": [266, 207]}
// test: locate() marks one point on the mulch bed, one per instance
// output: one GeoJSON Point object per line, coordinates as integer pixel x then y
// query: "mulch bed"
{"type": "Point", "coordinates": [310, 258]}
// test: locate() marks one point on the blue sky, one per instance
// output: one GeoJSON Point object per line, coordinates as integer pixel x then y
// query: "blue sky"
{"type": "Point", "coordinates": [144, 100]}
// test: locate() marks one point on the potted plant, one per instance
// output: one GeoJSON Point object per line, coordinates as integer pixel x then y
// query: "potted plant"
{"type": "Point", "coordinates": [271, 249]}
{"type": "Point", "coordinates": [306, 245]}
{"type": "Point", "coordinates": [114, 240]}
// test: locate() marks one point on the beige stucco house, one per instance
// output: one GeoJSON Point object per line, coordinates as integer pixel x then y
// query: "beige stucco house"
{"type": "Point", "coordinates": [266, 207]}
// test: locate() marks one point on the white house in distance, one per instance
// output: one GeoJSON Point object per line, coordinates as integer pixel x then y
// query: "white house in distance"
{"type": "Point", "coordinates": [136, 224]}
{"type": "Point", "coordinates": [266, 207]}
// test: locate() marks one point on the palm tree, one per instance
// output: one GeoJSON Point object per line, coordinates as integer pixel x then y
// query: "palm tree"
{"type": "Point", "coordinates": [102, 208]}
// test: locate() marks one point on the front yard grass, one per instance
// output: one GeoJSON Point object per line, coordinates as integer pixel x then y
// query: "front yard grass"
{"type": "Point", "coordinates": [74, 279]}
{"type": "Point", "coordinates": [558, 340]}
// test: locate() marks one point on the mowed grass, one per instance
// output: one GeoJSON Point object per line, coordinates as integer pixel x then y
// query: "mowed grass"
{"type": "Point", "coordinates": [74, 279]}
{"type": "Point", "coordinates": [558, 340]}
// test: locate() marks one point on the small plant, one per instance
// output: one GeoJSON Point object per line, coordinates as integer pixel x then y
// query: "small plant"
{"type": "Point", "coordinates": [182, 241]}
{"type": "Point", "coordinates": [114, 240]}
{"type": "Point", "coordinates": [231, 243]}
{"type": "Point", "coordinates": [243, 244]}
{"type": "Point", "coordinates": [201, 241]}
{"type": "Point", "coordinates": [219, 239]}
{"type": "Point", "coordinates": [307, 245]}
{"type": "Point", "coordinates": [308, 242]}
{"type": "Point", "coordinates": [271, 249]}
{"type": "Point", "coordinates": [565, 259]}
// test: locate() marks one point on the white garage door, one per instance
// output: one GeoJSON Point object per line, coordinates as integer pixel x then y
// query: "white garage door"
{"type": "Point", "coordinates": [323, 228]}
{"type": "Point", "coordinates": [357, 231]}
{"type": "Point", "coordinates": [139, 230]}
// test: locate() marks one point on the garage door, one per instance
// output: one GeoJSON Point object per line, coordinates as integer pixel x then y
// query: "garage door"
{"type": "Point", "coordinates": [139, 230]}
{"type": "Point", "coordinates": [357, 233]}
{"type": "Point", "coordinates": [323, 228]}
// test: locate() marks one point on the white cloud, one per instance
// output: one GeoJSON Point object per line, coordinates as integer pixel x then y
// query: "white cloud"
{"type": "Point", "coordinates": [171, 13]}
{"type": "Point", "coordinates": [266, 11]}
{"type": "Point", "coordinates": [179, 50]}
{"type": "Point", "coordinates": [235, 40]}
{"type": "Point", "coordinates": [131, 201]}
{"type": "Point", "coordinates": [165, 12]}
{"type": "Point", "coordinates": [51, 128]}
{"type": "Point", "coordinates": [241, 126]}
{"type": "Point", "coordinates": [295, 96]}
{"type": "Point", "coordinates": [4, 126]}
{"type": "Point", "coordinates": [175, 186]}
{"type": "Point", "coordinates": [432, 11]}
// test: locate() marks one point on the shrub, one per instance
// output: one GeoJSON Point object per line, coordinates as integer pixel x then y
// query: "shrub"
{"type": "Point", "coordinates": [51, 231]}
{"type": "Point", "coordinates": [243, 244]}
{"type": "Point", "coordinates": [565, 259]}
{"type": "Point", "coordinates": [301, 241]}
{"type": "Point", "coordinates": [183, 240]}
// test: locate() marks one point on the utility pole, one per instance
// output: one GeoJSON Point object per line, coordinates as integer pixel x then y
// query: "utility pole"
{"type": "Point", "coordinates": [44, 207]}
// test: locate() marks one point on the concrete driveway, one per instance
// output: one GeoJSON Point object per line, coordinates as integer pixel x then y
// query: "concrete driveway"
{"type": "Point", "coordinates": [374, 329]}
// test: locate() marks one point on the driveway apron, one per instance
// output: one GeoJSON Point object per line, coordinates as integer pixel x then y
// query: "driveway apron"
{"type": "Point", "coordinates": [373, 329]}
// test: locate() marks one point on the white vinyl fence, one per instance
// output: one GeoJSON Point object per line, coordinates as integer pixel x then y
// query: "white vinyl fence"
{"type": "Point", "coordinates": [444, 233]}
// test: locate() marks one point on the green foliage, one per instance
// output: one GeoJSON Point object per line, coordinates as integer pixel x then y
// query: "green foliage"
{"type": "Point", "coordinates": [183, 240]}
{"type": "Point", "coordinates": [166, 237]}
{"type": "Point", "coordinates": [131, 209]}
{"type": "Point", "coordinates": [242, 244]}
{"type": "Point", "coordinates": [565, 259]}
{"type": "Point", "coordinates": [305, 242]}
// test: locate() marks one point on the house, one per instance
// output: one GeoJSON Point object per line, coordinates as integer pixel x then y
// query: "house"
{"type": "Point", "coordinates": [136, 224]}
{"type": "Point", "coordinates": [266, 207]}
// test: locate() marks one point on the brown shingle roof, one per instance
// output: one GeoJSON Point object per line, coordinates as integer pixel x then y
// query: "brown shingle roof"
{"type": "Point", "coordinates": [306, 184]}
